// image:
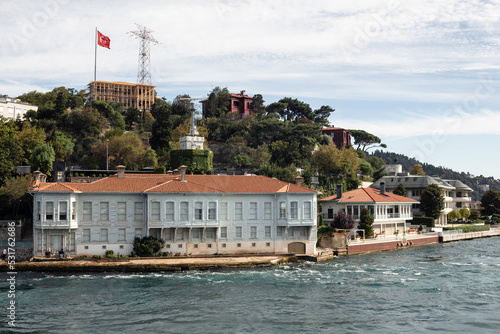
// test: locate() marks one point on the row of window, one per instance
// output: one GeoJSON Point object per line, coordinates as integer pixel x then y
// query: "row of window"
{"type": "Point", "coordinates": [181, 234]}
{"type": "Point", "coordinates": [103, 235]}
{"type": "Point", "coordinates": [199, 211]}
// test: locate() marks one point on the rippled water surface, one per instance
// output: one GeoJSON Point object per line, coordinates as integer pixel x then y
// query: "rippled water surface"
{"type": "Point", "coordinates": [437, 288]}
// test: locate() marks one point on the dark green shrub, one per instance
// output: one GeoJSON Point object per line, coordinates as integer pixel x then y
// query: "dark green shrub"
{"type": "Point", "coordinates": [197, 161]}
{"type": "Point", "coordinates": [161, 170]}
{"type": "Point", "coordinates": [466, 228]}
{"type": "Point", "coordinates": [96, 257]}
{"type": "Point", "coordinates": [425, 221]}
{"type": "Point", "coordinates": [147, 246]}
{"type": "Point", "coordinates": [109, 253]}
{"type": "Point", "coordinates": [325, 229]}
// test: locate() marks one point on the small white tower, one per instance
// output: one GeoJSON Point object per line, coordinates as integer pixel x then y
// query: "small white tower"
{"type": "Point", "coordinates": [192, 141]}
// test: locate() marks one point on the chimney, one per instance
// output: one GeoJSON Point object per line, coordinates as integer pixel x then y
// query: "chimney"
{"type": "Point", "coordinates": [121, 171]}
{"type": "Point", "coordinates": [242, 93]}
{"type": "Point", "coordinates": [169, 172]}
{"type": "Point", "coordinates": [298, 180]}
{"type": "Point", "coordinates": [339, 191]}
{"type": "Point", "coordinates": [382, 187]}
{"type": "Point", "coordinates": [40, 177]}
{"type": "Point", "coordinates": [182, 172]}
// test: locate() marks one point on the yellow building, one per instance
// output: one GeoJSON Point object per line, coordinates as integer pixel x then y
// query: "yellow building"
{"type": "Point", "coordinates": [140, 96]}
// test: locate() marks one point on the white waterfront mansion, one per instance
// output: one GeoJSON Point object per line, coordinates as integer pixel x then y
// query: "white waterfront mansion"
{"type": "Point", "coordinates": [194, 214]}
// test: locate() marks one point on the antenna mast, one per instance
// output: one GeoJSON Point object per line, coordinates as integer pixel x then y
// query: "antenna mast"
{"type": "Point", "coordinates": [144, 73]}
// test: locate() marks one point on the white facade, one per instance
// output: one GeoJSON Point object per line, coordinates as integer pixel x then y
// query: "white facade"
{"type": "Point", "coordinates": [14, 109]}
{"type": "Point", "coordinates": [192, 143]}
{"type": "Point", "coordinates": [84, 222]}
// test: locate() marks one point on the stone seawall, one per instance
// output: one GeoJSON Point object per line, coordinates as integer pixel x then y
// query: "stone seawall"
{"type": "Point", "coordinates": [470, 235]}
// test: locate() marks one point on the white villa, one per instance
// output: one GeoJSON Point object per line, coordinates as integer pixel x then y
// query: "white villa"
{"type": "Point", "coordinates": [455, 193]}
{"type": "Point", "coordinates": [14, 109]}
{"type": "Point", "coordinates": [194, 214]}
{"type": "Point", "coordinates": [389, 211]}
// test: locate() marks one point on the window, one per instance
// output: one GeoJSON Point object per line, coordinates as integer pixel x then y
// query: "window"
{"type": "Point", "coordinates": [38, 210]}
{"type": "Point", "coordinates": [184, 211]}
{"type": "Point", "coordinates": [198, 210]}
{"type": "Point", "coordinates": [291, 231]}
{"type": "Point", "coordinates": [267, 232]}
{"type": "Point", "coordinates": [307, 210]}
{"type": "Point", "coordinates": [104, 211]}
{"type": "Point", "coordinates": [169, 211]}
{"type": "Point", "coordinates": [212, 210]}
{"type": "Point", "coordinates": [138, 211]}
{"type": "Point", "coordinates": [49, 210]}
{"type": "Point", "coordinates": [168, 234]}
{"type": "Point", "coordinates": [138, 233]}
{"type": "Point", "coordinates": [73, 210]}
{"type": "Point", "coordinates": [253, 210]}
{"type": "Point", "coordinates": [179, 234]}
{"type": "Point", "coordinates": [239, 233]}
{"type": "Point", "coordinates": [87, 211]}
{"type": "Point", "coordinates": [282, 210]}
{"type": "Point", "coordinates": [121, 234]}
{"type": "Point", "coordinates": [267, 210]}
{"type": "Point", "coordinates": [238, 211]}
{"type": "Point", "coordinates": [253, 232]}
{"type": "Point", "coordinates": [330, 213]}
{"type": "Point", "coordinates": [155, 211]}
{"type": "Point", "coordinates": [63, 210]}
{"type": "Point", "coordinates": [223, 211]}
{"type": "Point", "coordinates": [86, 235]}
{"type": "Point", "coordinates": [294, 211]}
{"type": "Point", "coordinates": [121, 211]}
{"type": "Point", "coordinates": [104, 235]}
{"type": "Point", "coordinates": [459, 204]}
{"type": "Point", "coordinates": [210, 234]}
{"type": "Point", "coordinates": [223, 232]}
{"type": "Point", "coordinates": [303, 231]}
{"type": "Point", "coordinates": [196, 233]}
{"type": "Point", "coordinates": [279, 231]}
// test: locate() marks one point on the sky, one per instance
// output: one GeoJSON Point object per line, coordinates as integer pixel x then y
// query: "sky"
{"type": "Point", "coordinates": [421, 75]}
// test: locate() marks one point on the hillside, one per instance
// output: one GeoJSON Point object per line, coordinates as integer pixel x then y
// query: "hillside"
{"type": "Point", "coordinates": [472, 181]}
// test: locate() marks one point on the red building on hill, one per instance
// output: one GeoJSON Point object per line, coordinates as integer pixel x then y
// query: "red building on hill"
{"type": "Point", "coordinates": [341, 137]}
{"type": "Point", "coordinates": [240, 104]}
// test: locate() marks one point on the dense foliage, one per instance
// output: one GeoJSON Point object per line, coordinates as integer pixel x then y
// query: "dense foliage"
{"type": "Point", "coordinates": [147, 246]}
{"type": "Point", "coordinates": [366, 222]}
{"type": "Point", "coordinates": [432, 201]}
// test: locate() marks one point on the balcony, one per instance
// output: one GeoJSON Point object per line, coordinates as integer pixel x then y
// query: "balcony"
{"type": "Point", "coordinates": [190, 223]}
{"type": "Point", "coordinates": [51, 224]}
{"type": "Point", "coordinates": [462, 199]}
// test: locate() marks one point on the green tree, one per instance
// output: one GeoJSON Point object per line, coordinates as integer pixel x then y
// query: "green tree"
{"type": "Point", "coordinates": [490, 201]}
{"type": "Point", "coordinates": [432, 201]}
{"type": "Point", "coordinates": [42, 158]}
{"type": "Point", "coordinates": [401, 190]}
{"type": "Point", "coordinates": [147, 246]}
{"type": "Point", "coordinates": [63, 146]}
{"type": "Point", "coordinates": [366, 222]}
{"type": "Point", "coordinates": [322, 115]}
{"type": "Point", "coordinates": [366, 140]}
{"type": "Point", "coordinates": [10, 149]}
{"type": "Point", "coordinates": [417, 170]}
{"type": "Point", "coordinates": [291, 109]}
{"type": "Point", "coordinates": [217, 103]}
{"type": "Point", "coordinates": [366, 168]}
{"type": "Point", "coordinates": [464, 212]}
{"type": "Point", "coordinates": [162, 126]}
{"type": "Point", "coordinates": [474, 214]}
{"type": "Point", "coordinates": [29, 138]}
{"type": "Point", "coordinates": [454, 215]}
{"type": "Point", "coordinates": [14, 194]}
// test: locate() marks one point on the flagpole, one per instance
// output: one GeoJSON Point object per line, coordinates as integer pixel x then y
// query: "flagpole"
{"type": "Point", "coordinates": [95, 54]}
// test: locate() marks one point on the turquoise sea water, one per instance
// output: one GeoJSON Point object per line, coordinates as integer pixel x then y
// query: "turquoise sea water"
{"type": "Point", "coordinates": [440, 288]}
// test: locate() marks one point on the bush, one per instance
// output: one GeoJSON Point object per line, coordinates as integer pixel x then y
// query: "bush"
{"type": "Point", "coordinates": [197, 161]}
{"type": "Point", "coordinates": [147, 246]}
{"type": "Point", "coordinates": [96, 257]}
{"type": "Point", "coordinates": [325, 229]}
{"type": "Point", "coordinates": [123, 256]}
{"type": "Point", "coordinates": [425, 221]}
{"type": "Point", "coordinates": [109, 253]}
{"type": "Point", "coordinates": [468, 228]}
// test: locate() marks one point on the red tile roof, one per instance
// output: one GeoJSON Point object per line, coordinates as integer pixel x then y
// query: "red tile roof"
{"type": "Point", "coordinates": [155, 183]}
{"type": "Point", "coordinates": [368, 195]}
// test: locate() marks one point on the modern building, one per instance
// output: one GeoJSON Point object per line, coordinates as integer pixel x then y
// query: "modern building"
{"type": "Point", "coordinates": [140, 96]}
{"type": "Point", "coordinates": [455, 193]}
{"type": "Point", "coordinates": [11, 108]}
{"type": "Point", "coordinates": [241, 105]}
{"type": "Point", "coordinates": [390, 211]}
{"type": "Point", "coordinates": [341, 137]}
{"type": "Point", "coordinates": [194, 214]}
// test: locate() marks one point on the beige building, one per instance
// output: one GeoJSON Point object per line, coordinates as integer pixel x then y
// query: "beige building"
{"type": "Point", "coordinates": [140, 96]}
{"type": "Point", "coordinates": [11, 108]}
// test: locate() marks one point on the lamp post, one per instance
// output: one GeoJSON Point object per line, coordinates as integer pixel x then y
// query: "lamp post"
{"type": "Point", "coordinates": [107, 154]}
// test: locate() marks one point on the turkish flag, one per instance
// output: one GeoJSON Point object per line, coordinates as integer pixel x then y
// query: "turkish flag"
{"type": "Point", "coordinates": [103, 40]}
